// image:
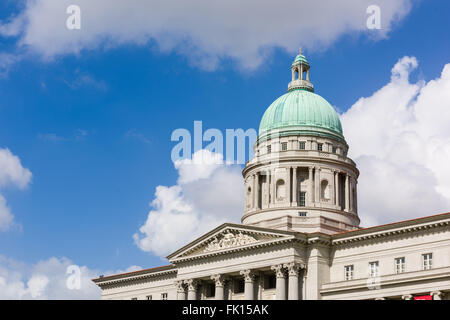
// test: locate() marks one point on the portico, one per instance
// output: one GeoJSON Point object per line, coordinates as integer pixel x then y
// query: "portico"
{"type": "Point", "coordinates": [287, 284]}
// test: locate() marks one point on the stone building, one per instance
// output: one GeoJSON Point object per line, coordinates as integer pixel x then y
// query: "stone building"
{"type": "Point", "coordinates": [300, 236]}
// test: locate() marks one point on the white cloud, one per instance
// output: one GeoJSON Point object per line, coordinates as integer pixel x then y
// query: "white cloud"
{"type": "Point", "coordinates": [11, 174]}
{"type": "Point", "coordinates": [47, 279]}
{"type": "Point", "coordinates": [400, 140]}
{"type": "Point", "coordinates": [206, 195]}
{"type": "Point", "coordinates": [204, 31]}
{"type": "Point", "coordinates": [7, 60]}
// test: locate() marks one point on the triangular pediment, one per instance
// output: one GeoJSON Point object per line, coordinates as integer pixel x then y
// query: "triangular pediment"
{"type": "Point", "coordinates": [229, 237]}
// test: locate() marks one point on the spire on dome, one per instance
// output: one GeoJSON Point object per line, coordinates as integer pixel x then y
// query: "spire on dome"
{"type": "Point", "coordinates": [300, 74]}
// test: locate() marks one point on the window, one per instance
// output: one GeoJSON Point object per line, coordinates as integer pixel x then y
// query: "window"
{"type": "Point", "coordinates": [302, 199]}
{"type": "Point", "coordinates": [302, 214]}
{"type": "Point", "coordinates": [270, 281]}
{"type": "Point", "coordinates": [373, 269]}
{"type": "Point", "coordinates": [400, 265]}
{"type": "Point", "coordinates": [210, 290]}
{"type": "Point", "coordinates": [239, 286]}
{"type": "Point", "coordinates": [283, 146]}
{"type": "Point", "coordinates": [302, 145]}
{"type": "Point", "coordinates": [320, 146]}
{"type": "Point", "coordinates": [164, 296]}
{"type": "Point", "coordinates": [269, 149]}
{"type": "Point", "coordinates": [349, 272]}
{"type": "Point", "coordinates": [427, 259]}
{"type": "Point", "coordinates": [334, 149]}
{"type": "Point", "coordinates": [149, 297]}
{"type": "Point", "coordinates": [133, 298]}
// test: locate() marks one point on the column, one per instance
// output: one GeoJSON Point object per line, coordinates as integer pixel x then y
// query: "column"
{"type": "Point", "coordinates": [317, 185]}
{"type": "Point", "coordinates": [255, 191]}
{"type": "Point", "coordinates": [294, 187]}
{"type": "Point", "coordinates": [268, 187]}
{"type": "Point", "coordinates": [293, 74]}
{"type": "Point", "coordinates": [311, 189]}
{"type": "Point", "coordinates": [181, 290]}
{"type": "Point", "coordinates": [219, 280]}
{"type": "Point", "coordinates": [293, 270]}
{"type": "Point", "coordinates": [347, 192]}
{"type": "Point", "coordinates": [281, 282]}
{"type": "Point", "coordinates": [350, 194]}
{"type": "Point", "coordinates": [192, 288]}
{"type": "Point", "coordinates": [249, 278]}
{"type": "Point", "coordinates": [288, 186]}
{"type": "Point", "coordinates": [437, 295]}
{"type": "Point", "coordinates": [336, 191]}
{"type": "Point", "coordinates": [333, 197]}
{"type": "Point", "coordinates": [301, 72]}
{"type": "Point", "coordinates": [407, 297]}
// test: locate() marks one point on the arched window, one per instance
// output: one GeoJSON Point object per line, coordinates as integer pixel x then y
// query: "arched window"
{"type": "Point", "coordinates": [281, 190]}
{"type": "Point", "coordinates": [324, 190]}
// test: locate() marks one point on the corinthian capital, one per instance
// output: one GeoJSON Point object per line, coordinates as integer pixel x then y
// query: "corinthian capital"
{"type": "Point", "coordinates": [292, 268]}
{"type": "Point", "coordinates": [192, 284]}
{"type": "Point", "coordinates": [279, 270]}
{"type": "Point", "coordinates": [219, 279]}
{"type": "Point", "coordinates": [249, 275]}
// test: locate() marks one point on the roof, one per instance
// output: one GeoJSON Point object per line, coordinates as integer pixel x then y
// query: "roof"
{"type": "Point", "coordinates": [168, 267]}
{"type": "Point", "coordinates": [302, 111]}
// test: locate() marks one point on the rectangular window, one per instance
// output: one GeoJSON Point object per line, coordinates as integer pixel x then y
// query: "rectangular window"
{"type": "Point", "coordinates": [283, 146]}
{"type": "Point", "coordinates": [320, 146]}
{"type": "Point", "coordinates": [239, 286]}
{"type": "Point", "coordinates": [302, 145]}
{"type": "Point", "coordinates": [149, 297]}
{"type": "Point", "coordinates": [302, 214]}
{"type": "Point", "coordinates": [373, 269]}
{"type": "Point", "coordinates": [270, 281]}
{"type": "Point", "coordinates": [302, 199]}
{"type": "Point", "coordinates": [334, 149]}
{"type": "Point", "coordinates": [427, 259]}
{"type": "Point", "coordinates": [400, 265]}
{"type": "Point", "coordinates": [210, 290]}
{"type": "Point", "coordinates": [269, 149]}
{"type": "Point", "coordinates": [164, 296]}
{"type": "Point", "coordinates": [349, 272]}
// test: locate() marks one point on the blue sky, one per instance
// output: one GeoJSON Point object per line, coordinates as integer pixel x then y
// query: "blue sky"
{"type": "Point", "coordinates": [94, 127]}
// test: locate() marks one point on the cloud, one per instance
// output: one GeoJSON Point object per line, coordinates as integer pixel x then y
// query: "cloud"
{"type": "Point", "coordinates": [206, 195]}
{"type": "Point", "coordinates": [78, 135]}
{"type": "Point", "coordinates": [48, 279]}
{"type": "Point", "coordinates": [7, 60]}
{"type": "Point", "coordinates": [204, 31]}
{"type": "Point", "coordinates": [400, 140]}
{"type": "Point", "coordinates": [11, 174]}
{"type": "Point", "coordinates": [133, 134]}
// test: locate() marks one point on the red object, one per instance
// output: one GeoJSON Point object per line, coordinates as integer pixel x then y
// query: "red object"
{"type": "Point", "coordinates": [423, 298]}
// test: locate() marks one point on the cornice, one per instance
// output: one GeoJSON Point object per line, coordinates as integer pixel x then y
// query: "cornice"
{"type": "Point", "coordinates": [397, 228]}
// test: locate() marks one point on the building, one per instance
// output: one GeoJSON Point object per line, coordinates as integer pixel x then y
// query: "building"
{"type": "Point", "coordinates": [300, 236]}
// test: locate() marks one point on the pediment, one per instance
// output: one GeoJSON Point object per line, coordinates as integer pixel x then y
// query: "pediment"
{"type": "Point", "coordinates": [229, 237]}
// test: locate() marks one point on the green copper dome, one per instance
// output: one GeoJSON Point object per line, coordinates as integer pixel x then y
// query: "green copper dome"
{"type": "Point", "coordinates": [301, 112]}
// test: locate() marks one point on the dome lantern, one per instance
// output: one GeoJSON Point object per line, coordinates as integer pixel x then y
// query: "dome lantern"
{"type": "Point", "coordinates": [300, 74]}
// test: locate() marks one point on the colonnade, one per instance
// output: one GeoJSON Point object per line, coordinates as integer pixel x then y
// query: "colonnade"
{"type": "Point", "coordinates": [287, 283]}
{"type": "Point", "coordinates": [342, 200]}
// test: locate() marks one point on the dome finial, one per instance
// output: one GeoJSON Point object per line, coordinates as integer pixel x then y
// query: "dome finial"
{"type": "Point", "coordinates": [300, 74]}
